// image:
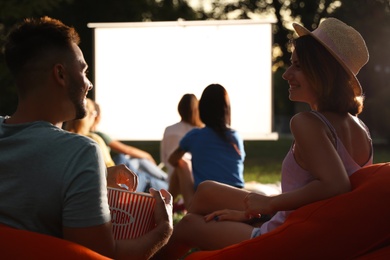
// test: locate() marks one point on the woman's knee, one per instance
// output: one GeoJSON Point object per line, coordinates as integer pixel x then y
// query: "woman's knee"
{"type": "Point", "coordinates": [204, 189]}
{"type": "Point", "coordinates": [204, 192]}
{"type": "Point", "coordinates": [207, 185]}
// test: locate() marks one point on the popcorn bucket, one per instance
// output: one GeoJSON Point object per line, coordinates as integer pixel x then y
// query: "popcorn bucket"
{"type": "Point", "coordinates": [131, 213]}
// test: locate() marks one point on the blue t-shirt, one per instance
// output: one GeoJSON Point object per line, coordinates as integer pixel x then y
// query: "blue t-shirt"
{"type": "Point", "coordinates": [50, 178]}
{"type": "Point", "coordinates": [214, 158]}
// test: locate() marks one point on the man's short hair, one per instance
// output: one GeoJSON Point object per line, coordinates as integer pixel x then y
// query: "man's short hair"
{"type": "Point", "coordinates": [34, 37]}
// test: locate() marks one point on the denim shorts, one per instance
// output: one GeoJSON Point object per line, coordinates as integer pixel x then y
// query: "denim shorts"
{"type": "Point", "coordinates": [256, 232]}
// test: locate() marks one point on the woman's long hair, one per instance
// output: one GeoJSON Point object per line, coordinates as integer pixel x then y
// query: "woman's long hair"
{"type": "Point", "coordinates": [328, 78]}
{"type": "Point", "coordinates": [214, 109]}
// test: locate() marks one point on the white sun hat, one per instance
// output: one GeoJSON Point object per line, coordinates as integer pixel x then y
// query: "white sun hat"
{"type": "Point", "coordinates": [344, 43]}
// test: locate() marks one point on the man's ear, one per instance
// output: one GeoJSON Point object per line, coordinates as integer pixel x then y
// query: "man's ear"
{"type": "Point", "coordinates": [59, 73]}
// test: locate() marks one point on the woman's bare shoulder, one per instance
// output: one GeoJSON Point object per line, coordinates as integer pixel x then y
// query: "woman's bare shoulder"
{"type": "Point", "coordinates": [306, 120]}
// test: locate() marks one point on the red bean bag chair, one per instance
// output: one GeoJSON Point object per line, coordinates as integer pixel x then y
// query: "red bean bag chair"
{"type": "Point", "coordinates": [22, 244]}
{"type": "Point", "coordinates": [354, 225]}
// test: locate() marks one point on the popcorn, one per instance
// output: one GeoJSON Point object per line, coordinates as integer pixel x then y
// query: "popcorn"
{"type": "Point", "coordinates": [131, 213]}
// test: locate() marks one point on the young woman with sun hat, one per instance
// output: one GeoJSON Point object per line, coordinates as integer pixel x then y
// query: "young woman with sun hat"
{"type": "Point", "coordinates": [330, 144]}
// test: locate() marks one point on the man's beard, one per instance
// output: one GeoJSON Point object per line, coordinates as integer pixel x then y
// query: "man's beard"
{"type": "Point", "coordinates": [78, 101]}
{"type": "Point", "coordinates": [79, 109]}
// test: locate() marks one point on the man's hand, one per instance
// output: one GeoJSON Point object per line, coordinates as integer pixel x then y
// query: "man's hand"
{"type": "Point", "coordinates": [163, 215]}
{"type": "Point", "coordinates": [163, 210]}
{"type": "Point", "coordinates": [119, 174]}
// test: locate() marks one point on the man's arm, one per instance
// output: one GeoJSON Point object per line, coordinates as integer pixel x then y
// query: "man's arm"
{"type": "Point", "coordinates": [100, 238]}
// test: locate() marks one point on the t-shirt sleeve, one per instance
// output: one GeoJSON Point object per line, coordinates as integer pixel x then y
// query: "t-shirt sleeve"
{"type": "Point", "coordinates": [185, 142]}
{"type": "Point", "coordinates": [107, 139]}
{"type": "Point", "coordinates": [240, 144]}
{"type": "Point", "coordinates": [85, 190]}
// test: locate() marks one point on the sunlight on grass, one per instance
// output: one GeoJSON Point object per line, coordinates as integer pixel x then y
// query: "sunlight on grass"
{"type": "Point", "coordinates": [263, 174]}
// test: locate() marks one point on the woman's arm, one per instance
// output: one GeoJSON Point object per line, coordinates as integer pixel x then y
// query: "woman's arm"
{"type": "Point", "coordinates": [314, 151]}
{"type": "Point", "coordinates": [176, 156]}
{"type": "Point", "coordinates": [132, 151]}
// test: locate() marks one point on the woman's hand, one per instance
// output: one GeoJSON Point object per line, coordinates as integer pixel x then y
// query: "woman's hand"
{"type": "Point", "coordinates": [120, 174]}
{"type": "Point", "coordinates": [149, 157]}
{"type": "Point", "coordinates": [227, 215]}
{"type": "Point", "coordinates": [257, 204]}
{"type": "Point", "coordinates": [176, 156]}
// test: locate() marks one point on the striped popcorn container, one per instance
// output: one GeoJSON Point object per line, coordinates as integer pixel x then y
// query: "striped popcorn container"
{"type": "Point", "coordinates": [131, 213]}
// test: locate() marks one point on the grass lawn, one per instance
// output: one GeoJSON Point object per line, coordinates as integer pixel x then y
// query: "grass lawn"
{"type": "Point", "coordinates": [263, 160]}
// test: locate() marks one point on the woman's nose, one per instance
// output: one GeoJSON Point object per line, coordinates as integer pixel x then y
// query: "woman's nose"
{"type": "Point", "coordinates": [286, 74]}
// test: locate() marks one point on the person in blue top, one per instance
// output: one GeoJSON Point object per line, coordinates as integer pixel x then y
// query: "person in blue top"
{"type": "Point", "coordinates": [217, 150]}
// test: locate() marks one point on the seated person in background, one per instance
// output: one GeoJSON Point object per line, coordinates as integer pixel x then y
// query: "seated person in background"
{"type": "Point", "coordinates": [54, 182]}
{"type": "Point", "coordinates": [139, 161]}
{"type": "Point", "coordinates": [83, 126]}
{"type": "Point", "coordinates": [217, 150]}
{"type": "Point", "coordinates": [189, 113]}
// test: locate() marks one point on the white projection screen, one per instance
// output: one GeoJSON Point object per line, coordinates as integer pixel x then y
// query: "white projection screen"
{"type": "Point", "coordinates": [143, 69]}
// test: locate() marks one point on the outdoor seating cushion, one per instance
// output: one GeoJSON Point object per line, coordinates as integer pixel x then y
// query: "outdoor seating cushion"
{"type": "Point", "coordinates": [22, 244]}
{"type": "Point", "coordinates": [349, 226]}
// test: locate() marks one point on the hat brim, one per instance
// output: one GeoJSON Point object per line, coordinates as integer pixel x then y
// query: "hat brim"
{"type": "Point", "coordinates": [357, 88]}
